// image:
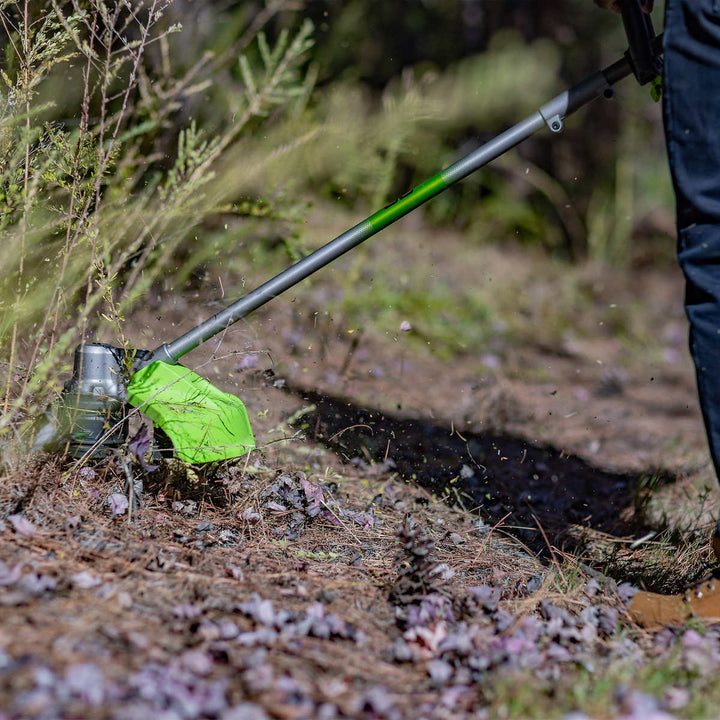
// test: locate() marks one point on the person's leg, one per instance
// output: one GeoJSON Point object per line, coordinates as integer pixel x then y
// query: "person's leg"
{"type": "Point", "coordinates": [692, 127]}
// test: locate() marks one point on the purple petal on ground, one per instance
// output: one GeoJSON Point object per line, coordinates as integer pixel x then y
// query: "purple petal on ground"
{"type": "Point", "coordinates": [139, 446]}
{"type": "Point", "coordinates": [330, 517]}
{"type": "Point", "coordinates": [314, 495]}
{"type": "Point", "coordinates": [364, 519]}
{"type": "Point", "coordinates": [692, 639]}
{"type": "Point", "coordinates": [257, 638]}
{"type": "Point", "coordinates": [197, 662]}
{"type": "Point", "coordinates": [186, 507]}
{"type": "Point", "coordinates": [8, 576]}
{"type": "Point", "coordinates": [262, 612]}
{"type": "Point", "coordinates": [85, 580]}
{"type": "Point", "coordinates": [250, 515]}
{"type": "Point", "coordinates": [400, 651]}
{"type": "Point", "coordinates": [327, 711]}
{"type": "Point", "coordinates": [247, 362]}
{"type": "Point", "coordinates": [180, 692]}
{"type": "Point", "coordinates": [629, 700]}
{"type": "Point", "coordinates": [431, 638]}
{"type": "Point", "coordinates": [439, 671]}
{"type": "Point", "coordinates": [626, 591]}
{"type": "Point", "coordinates": [5, 660]}
{"type": "Point", "coordinates": [44, 677]}
{"type": "Point", "coordinates": [22, 525]}
{"type": "Point", "coordinates": [503, 620]}
{"type": "Point", "coordinates": [607, 619]}
{"type": "Point", "coordinates": [73, 522]}
{"type": "Point", "coordinates": [118, 504]}
{"type": "Point", "coordinates": [36, 703]}
{"type": "Point", "coordinates": [451, 695]}
{"type": "Point", "coordinates": [670, 356]}
{"type": "Point", "coordinates": [405, 326]}
{"type": "Point", "coordinates": [187, 611]}
{"type": "Point", "coordinates": [459, 642]}
{"type": "Point", "coordinates": [664, 641]}
{"type": "Point", "coordinates": [234, 571]}
{"type": "Point", "coordinates": [676, 698]}
{"type": "Point", "coordinates": [432, 608]}
{"type": "Point", "coordinates": [245, 711]}
{"type": "Point", "coordinates": [487, 596]}
{"type": "Point", "coordinates": [276, 507]}
{"type": "Point", "coordinates": [490, 360]}
{"type": "Point", "coordinates": [228, 629]}
{"type": "Point", "coordinates": [377, 701]}
{"type": "Point", "coordinates": [531, 628]}
{"type": "Point", "coordinates": [517, 645]}
{"type": "Point", "coordinates": [558, 652]}
{"type": "Point", "coordinates": [37, 584]}
{"type": "Point", "coordinates": [87, 473]}
{"type": "Point", "coordinates": [2, 526]}
{"type": "Point", "coordinates": [87, 682]}
{"type": "Point", "coordinates": [288, 684]}
{"type": "Point", "coordinates": [552, 612]}
{"type": "Point", "coordinates": [259, 678]}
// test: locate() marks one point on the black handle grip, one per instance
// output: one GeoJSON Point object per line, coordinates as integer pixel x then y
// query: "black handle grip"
{"type": "Point", "coordinates": [644, 61]}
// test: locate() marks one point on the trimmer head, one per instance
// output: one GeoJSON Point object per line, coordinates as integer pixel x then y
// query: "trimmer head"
{"type": "Point", "coordinates": [203, 423]}
{"type": "Point", "coordinates": [92, 412]}
{"type": "Point", "coordinates": [95, 398]}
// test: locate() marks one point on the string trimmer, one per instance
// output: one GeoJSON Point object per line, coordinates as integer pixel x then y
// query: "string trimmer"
{"type": "Point", "coordinates": [205, 424]}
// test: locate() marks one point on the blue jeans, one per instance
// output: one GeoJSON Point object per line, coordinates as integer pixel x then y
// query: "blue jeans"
{"type": "Point", "coordinates": [692, 130]}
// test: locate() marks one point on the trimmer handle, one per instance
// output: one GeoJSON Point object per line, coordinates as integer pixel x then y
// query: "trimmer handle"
{"type": "Point", "coordinates": [645, 62]}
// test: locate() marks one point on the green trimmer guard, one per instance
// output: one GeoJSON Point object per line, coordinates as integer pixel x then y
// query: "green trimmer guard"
{"type": "Point", "coordinates": [205, 424]}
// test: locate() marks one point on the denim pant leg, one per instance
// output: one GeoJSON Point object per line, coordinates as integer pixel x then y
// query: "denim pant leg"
{"type": "Point", "coordinates": [692, 129]}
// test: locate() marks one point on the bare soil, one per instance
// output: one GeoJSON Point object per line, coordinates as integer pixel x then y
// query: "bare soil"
{"type": "Point", "coordinates": [277, 586]}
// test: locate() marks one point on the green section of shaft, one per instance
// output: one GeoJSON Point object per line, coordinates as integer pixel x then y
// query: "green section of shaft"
{"type": "Point", "coordinates": [171, 352]}
{"type": "Point", "coordinates": [402, 206]}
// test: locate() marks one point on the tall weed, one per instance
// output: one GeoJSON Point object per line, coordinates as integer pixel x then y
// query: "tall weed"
{"type": "Point", "coordinates": [95, 198]}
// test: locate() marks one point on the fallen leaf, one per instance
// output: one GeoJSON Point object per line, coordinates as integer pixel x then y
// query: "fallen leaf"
{"type": "Point", "coordinates": [314, 495]}
{"type": "Point", "coordinates": [139, 446]}
{"type": "Point", "coordinates": [85, 580]}
{"type": "Point", "coordinates": [118, 504]}
{"type": "Point", "coordinates": [22, 525]}
{"type": "Point", "coordinates": [8, 576]}
{"type": "Point", "coordinates": [87, 682]}
{"type": "Point", "coordinates": [73, 522]}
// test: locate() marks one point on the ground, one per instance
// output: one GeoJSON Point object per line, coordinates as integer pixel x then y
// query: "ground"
{"type": "Point", "coordinates": [419, 535]}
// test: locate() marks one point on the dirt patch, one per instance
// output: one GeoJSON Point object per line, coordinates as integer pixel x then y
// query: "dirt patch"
{"type": "Point", "coordinates": [538, 492]}
{"type": "Point", "coordinates": [290, 585]}
{"type": "Point", "coordinates": [190, 607]}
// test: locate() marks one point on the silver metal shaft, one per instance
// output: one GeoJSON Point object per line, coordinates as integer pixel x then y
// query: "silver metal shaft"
{"type": "Point", "coordinates": [551, 114]}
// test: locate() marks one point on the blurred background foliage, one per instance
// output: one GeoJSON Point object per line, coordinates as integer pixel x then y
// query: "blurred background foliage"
{"type": "Point", "coordinates": [402, 89]}
{"type": "Point", "coordinates": [142, 143]}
